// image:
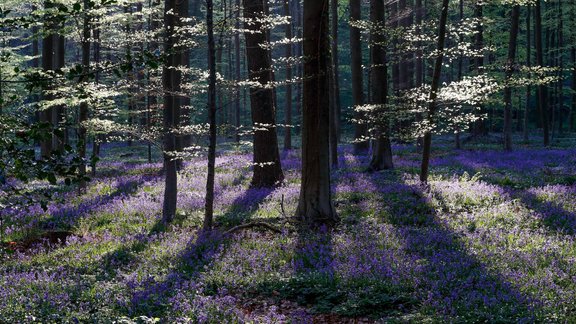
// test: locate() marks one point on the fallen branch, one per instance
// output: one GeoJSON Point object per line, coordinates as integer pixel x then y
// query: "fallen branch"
{"type": "Point", "coordinates": [252, 225]}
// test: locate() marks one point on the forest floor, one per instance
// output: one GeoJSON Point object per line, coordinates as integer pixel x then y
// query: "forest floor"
{"type": "Point", "coordinates": [491, 240]}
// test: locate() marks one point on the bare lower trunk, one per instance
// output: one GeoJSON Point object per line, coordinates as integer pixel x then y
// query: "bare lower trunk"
{"type": "Point", "coordinates": [267, 167]}
{"type": "Point", "coordinates": [514, 26]}
{"type": "Point", "coordinates": [315, 203]}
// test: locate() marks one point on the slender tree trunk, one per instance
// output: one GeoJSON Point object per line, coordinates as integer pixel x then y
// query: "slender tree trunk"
{"type": "Point", "coordinates": [288, 107]}
{"type": "Point", "coordinates": [560, 57]}
{"type": "Point", "coordinates": [237, 71]}
{"type": "Point", "coordinates": [360, 130]}
{"type": "Point", "coordinates": [458, 142]}
{"type": "Point", "coordinates": [209, 206]}
{"type": "Point", "coordinates": [83, 115]}
{"type": "Point", "coordinates": [97, 138]}
{"type": "Point", "coordinates": [479, 128]}
{"type": "Point", "coordinates": [48, 65]}
{"type": "Point", "coordinates": [382, 154]}
{"type": "Point", "coordinates": [172, 79]}
{"type": "Point", "coordinates": [267, 168]}
{"type": "Point", "coordinates": [334, 87]}
{"type": "Point", "coordinates": [542, 107]}
{"type": "Point", "coordinates": [573, 106]}
{"type": "Point", "coordinates": [427, 149]}
{"type": "Point", "coordinates": [512, 45]}
{"type": "Point", "coordinates": [528, 64]}
{"type": "Point", "coordinates": [315, 203]}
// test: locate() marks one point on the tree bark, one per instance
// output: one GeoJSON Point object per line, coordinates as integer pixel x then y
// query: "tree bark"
{"type": "Point", "coordinates": [315, 206]}
{"type": "Point", "coordinates": [426, 152]}
{"type": "Point", "coordinates": [360, 130]}
{"type": "Point", "coordinates": [209, 202]}
{"type": "Point", "coordinates": [542, 106]}
{"type": "Point", "coordinates": [48, 44]}
{"type": "Point", "coordinates": [83, 114]}
{"type": "Point", "coordinates": [382, 154]}
{"type": "Point", "coordinates": [267, 170]}
{"type": "Point", "coordinates": [512, 45]}
{"type": "Point", "coordinates": [528, 64]}
{"type": "Point", "coordinates": [172, 79]}
{"type": "Point", "coordinates": [334, 87]}
{"type": "Point", "coordinates": [288, 107]}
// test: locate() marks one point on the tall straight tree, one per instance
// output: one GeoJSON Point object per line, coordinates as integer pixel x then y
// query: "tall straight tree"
{"type": "Point", "coordinates": [48, 44]}
{"type": "Point", "coordinates": [172, 79]}
{"type": "Point", "coordinates": [528, 64]}
{"type": "Point", "coordinates": [288, 107]}
{"type": "Point", "coordinates": [267, 171]}
{"type": "Point", "coordinates": [315, 203]}
{"type": "Point", "coordinates": [427, 149]}
{"type": "Point", "coordinates": [334, 87]}
{"type": "Point", "coordinates": [512, 45]}
{"type": "Point", "coordinates": [209, 201]}
{"type": "Point", "coordinates": [542, 106]}
{"type": "Point", "coordinates": [357, 73]}
{"type": "Point", "coordinates": [83, 114]}
{"type": "Point", "coordinates": [382, 155]}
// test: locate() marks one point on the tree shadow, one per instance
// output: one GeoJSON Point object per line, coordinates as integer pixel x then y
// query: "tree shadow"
{"type": "Point", "coordinates": [450, 278]}
{"type": "Point", "coordinates": [66, 215]}
{"type": "Point", "coordinates": [553, 215]}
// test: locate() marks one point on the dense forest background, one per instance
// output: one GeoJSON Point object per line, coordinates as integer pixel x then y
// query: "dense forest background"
{"type": "Point", "coordinates": [287, 160]}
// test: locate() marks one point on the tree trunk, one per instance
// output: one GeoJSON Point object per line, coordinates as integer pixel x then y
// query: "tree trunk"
{"type": "Point", "coordinates": [209, 203]}
{"type": "Point", "coordinates": [334, 87]}
{"type": "Point", "coordinates": [382, 154]}
{"type": "Point", "coordinates": [237, 71]}
{"type": "Point", "coordinates": [360, 130]}
{"type": "Point", "coordinates": [542, 106]}
{"type": "Point", "coordinates": [83, 114]}
{"type": "Point", "coordinates": [96, 140]}
{"type": "Point", "coordinates": [315, 203]}
{"type": "Point", "coordinates": [528, 64]}
{"type": "Point", "coordinates": [514, 27]}
{"type": "Point", "coordinates": [172, 79]}
{"type": "Point", "coordinates": [288, 107]}
{"type": "Point", "coordinates": [479, 128]}
{"type": "Point", "coordinates": [427, 149]}
{"type": "Point", "coordinates": [267, 168]}
{"type": "Point", "coordinates": [48, 44]}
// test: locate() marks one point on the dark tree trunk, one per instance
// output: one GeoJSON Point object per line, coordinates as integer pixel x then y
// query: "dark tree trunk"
{"type": "Point", "coordinates": [382, 154]}
{"type": "Point", "coordinates": [512, 45]}
{"type": "Point", "coordinates": [573, 106]}
{"type": "Point", "coordinates": [97, 138]}
{"type": "Point", "coordinates": [334, 88]}
{"type": "Point", "coordinates": [209, 203]}
{"type": "Point", "coordinates": [315, 203]}
{"type": "Point", "coordinates": [479, 128]}
{"type": "Point", "coordinates": [542, 106]}
{"type": "Point", "coordinates": [360, 130]}
{"type": "Point", "coordinates": [457, 141]}
{"type": "Point", "coordinates": [267, 167]}
{"type": "Point", "coordinates": [172, 79]}
{"type": "Point", "coordinates": [427, 149]}
{"type": "Point", "coordinates": [238, 72]}
{"type": "Point", "coordinates": [288, 107]}
{"type": "Point", "coordinates": [83, 114]}
{"type": "Point", "coordinates": [48, 44]}
{"type": "Point", "coordinates": [528, 64]}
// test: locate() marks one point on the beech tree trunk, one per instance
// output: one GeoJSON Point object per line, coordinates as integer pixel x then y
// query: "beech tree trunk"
{"type": "Point", "coordinates": [360, 130]}
{"type": "Point", "coordinates": [209, 202]}
{"type": "Point", "coordinates": [267, 170]}
{"type": "Point", "coordinates": [514, 27]}
{"type": "Point", "coordinates": [427, 148]}
{"type": "Point", "coordinates": [528, 64]}
{"type": "Point", "coordinates": [237, 70]}
{"type": "Point", "coordinates": [382, 154]}
{"type": "Point", "coordinates": [48, 44]}
{"type": "Point", "coordinates": [83, 114]}
{"type": "Point", "coordinates": [334, 87]}
{"type": "Point", "coordinates": [172, 79]}
{"type": "Point", "coordinates": [315, 203]}
{"type": "Point", "coordinates": [542, 106]}
{"type": "Point", "coordinates": [288, 107]}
